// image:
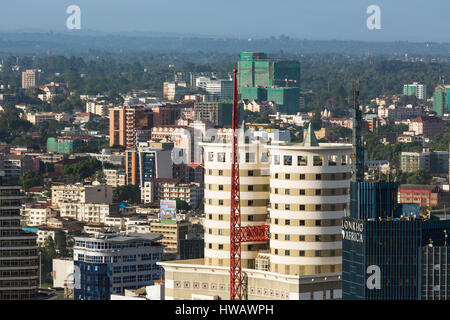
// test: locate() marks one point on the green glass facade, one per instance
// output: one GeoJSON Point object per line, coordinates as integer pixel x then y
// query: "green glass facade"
{"type": "Point", "coordinates": [261, 78]}
{"type": "Point", "coordinates": [441, 100]}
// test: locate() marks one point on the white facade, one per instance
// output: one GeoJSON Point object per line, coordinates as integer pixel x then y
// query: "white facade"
{"type": "Point", "coordinates": [36, 215]}
{"type": "Point", "coordinates": [87, 212]}
{"type": "Point", "coordinates": [82, 194]}
{"type": "Point", "coordinates": [62, 273]}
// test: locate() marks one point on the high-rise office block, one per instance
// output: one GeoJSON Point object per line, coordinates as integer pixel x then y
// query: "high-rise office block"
{"type": "Point", "coordinates": [129, 125]}
{"type": "Point", "coordinates": [263, 78]}
{"type": "Point", "coordinates": [19, 262]}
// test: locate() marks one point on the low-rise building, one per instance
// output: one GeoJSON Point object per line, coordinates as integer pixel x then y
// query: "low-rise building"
{"type": "Point", "coordinates": [101, 194]}
{"type": "Point", "coordinates": [88, 212]}
{"type": "Point", "coordinates": [36, 214]}
{"type": "Point", "coordinates": [110, 263]}
{"type": "Point", "coordinates": [115, 177]}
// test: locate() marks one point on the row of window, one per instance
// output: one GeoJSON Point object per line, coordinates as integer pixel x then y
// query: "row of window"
{"type": "Point", "coordinates": [301, 253]}
{"type": "Point", "coordinates": [250, 157]}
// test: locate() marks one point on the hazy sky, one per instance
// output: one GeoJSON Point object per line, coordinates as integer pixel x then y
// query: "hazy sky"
{"type": "Point", "coordinates": [411, 20]}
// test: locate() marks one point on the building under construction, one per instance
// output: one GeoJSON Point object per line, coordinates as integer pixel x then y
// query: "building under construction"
{"type": "Point", "coordinates": [263, 78]}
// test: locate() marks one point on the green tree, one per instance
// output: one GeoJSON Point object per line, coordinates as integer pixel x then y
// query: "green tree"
{"type": "Point", "coordinates": [61, 243]}
{"type": "Point", "coordinates": [421, 176]}
{"type": "Point", "coordinates": [128, 193]}
{"type": "Point", "coordinates": [30, 179]}
{"type": "Point", "coordinates": [182, 205]}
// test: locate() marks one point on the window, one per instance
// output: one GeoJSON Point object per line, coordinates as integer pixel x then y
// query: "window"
{"type": "Point", "coordinates": [250, 188]}
{"type": "Point", "coordinates": [318, 207]}
{"type": "Point", "coordinates": [210, 156]}
{"type": "Point", "coordinates": [318, 177]}
{"type": "Point", "coordinates": [302, 160]}
{"type": "Point", "coordinates": [276, 236]}
{"type": "Point", "coordinates": [318, 222]}
{"type": "Point", "coordinates": [210, 187]}
{"type": "Point", "coordinates": [220, 172]}
{"type": "Point", "coordinates": [302, 176]}
{"type": "Point", "coordinates": [287, 176]}
{"type": "Point", "coordinates": [287, 160]}
{"type": "Point", "coordinates": [287, 252]}
{"type": "Point", "coordinates": [209, 201]}
{"type": "Point", "coordinates": [276, 205]}
{"type": "Point", "coordinates": [318, 192]}
{"type": "Point", "coordinates": [220, 232]}
{"type": "Point", "coordinates": [287, 191]}
{"type": "Point", "coordinates": [287, 207]}
{"type": "Point", "coordinates": [301, 253]}
{"type": "Point", "coordinates": [318, 161]}
{"type": "Point", "coordinates": [220, 216]}
{"type": "Point", "coordinates": [250, 203]}
{"type": "Point", "coordinates": [220, 202]}
{"type": "Point", "coordinates": [249, 157]}
{"type": "Point", "coordinates": [276, 221]}
{"type": "Point", "coordinates": [301, 238]}
{"type": "Point", "coordinates": [210, 231]}
{"type": "Point", "coordinates": [210, 172]}
{"type": "Point", "coordinates": [302, 207]}
{"type": "Point", "coordinates": [318, 238]}
{"type": "Point", "coordinates": [302, 222]}
{"type": "Point", "coordinates": [276, 251]}
{"type": "Point", "coordinates": [210, 246]}
{"type": "Point", "coordinates": [221, 156]}
{"type": "Point", "coordinates": [287, 222]}
{"type": "Point", "coordinates": [276, 190]}
{"type": "Point", "coordinates": [276, 159]}
{"type": "Point", "coordinates": [250, 218]}
{"type": "Point", "coordinates": [250, 173]}
{"type": "Point", "coordinates": [276, 175]}
{"type": "Point", "coordinates": [264, 156]}
{"type": "Point", "coordinates": [220, 187]}
{"type": "Point", "coordinates": [287, 237]}
{"type": "Point", "coordinates": [344, 160]}
{"type": "Point", "coordinates": [332, 160]}
{"type": "Point", "coordinates": [220, 246]}
{"type": "Point", "coordinates": [302, 192]}
{"type": "Point", "coordinates": [318, 253]}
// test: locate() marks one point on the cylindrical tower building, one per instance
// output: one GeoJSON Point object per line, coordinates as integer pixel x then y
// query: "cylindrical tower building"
{"type": "Point", "coordinates": [309, 193]}
{"type": "Point", "coordinates": [254, 195]}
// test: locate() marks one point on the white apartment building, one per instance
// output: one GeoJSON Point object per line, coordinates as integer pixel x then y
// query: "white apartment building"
{"type": "Point", "coordinates": [82, 193]}
{"type": "Point", "coordinates": [36, 214]}
{"type": "Point", "coordinates": [115, 177]}
{"type": "Point", "coordinates": [87, 212]}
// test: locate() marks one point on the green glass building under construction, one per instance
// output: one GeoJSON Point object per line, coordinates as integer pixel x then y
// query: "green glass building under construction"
{"type": "Point", "coordinates": [263, 78]}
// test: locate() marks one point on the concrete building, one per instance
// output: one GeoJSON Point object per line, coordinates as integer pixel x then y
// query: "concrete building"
{"type": "Point", "coordinates": [435, 161]}
{"type": "Point", "coordinates": [29, 79]}
{"type": "Point", "coordinates": [302, 190]}
{"type": "Point", "coordinates": [147, 163]}
{"type": "Point", "coordinates": [423, 195]}
{"type": "Point", "coordinates": [427, 126]}
{"type": "Point", "coordinates": [214, 113]}
{"type": "Point", "coordinates": [115, 177]}
{"type": "Point", "coordinates": [81, 193]}
{"type": "Point", "coordinates": [260, 106]}
{"type": "Point", "coordinates": [87, 212]}
{"type": "Point", "coordinates": [172, 189]}
{"type": "Point", "coordinates": [36, 214]}
{"type": "Point", "coordinates": [309, 193]}
{"type": "Point", "coordinates": [19, 260]}
{"type": "Point", "coordinates": [172, 231]}
{"type": "Point", "coordinates": [110, 263]}
{"type": "Point", "coordinates": [415, 89]}
{"type": "Point", "coordinates": [36, 118]}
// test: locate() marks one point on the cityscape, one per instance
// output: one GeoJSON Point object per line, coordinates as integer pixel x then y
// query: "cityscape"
{"type": "Point", "coordinates": [190, 167]}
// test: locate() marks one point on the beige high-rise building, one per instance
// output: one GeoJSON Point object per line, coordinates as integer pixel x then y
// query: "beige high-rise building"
{"type": "Point", "coordinates": [29, 79]}
{"type": "Point", "coordinates": [302, 191]}
{"type": "Point", "coordinates": [309, 192]}
{"type": "Point", "coordinates": [254, 188]}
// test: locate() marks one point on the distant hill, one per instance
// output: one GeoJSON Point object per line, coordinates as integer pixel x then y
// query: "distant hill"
{"type": "Point", "coordinates": [84, 43]}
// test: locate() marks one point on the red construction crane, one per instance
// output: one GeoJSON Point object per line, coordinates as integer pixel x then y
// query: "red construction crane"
{"type": "Point", "coordinates": [239, 234]}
